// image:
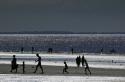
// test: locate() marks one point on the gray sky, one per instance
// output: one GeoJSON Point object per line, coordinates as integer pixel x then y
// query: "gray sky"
{"type": "Point", "coordinates": [62, 15]}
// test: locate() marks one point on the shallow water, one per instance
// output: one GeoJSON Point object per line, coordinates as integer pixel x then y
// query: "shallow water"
{"type": "Point", "coordinates": [95, 61]}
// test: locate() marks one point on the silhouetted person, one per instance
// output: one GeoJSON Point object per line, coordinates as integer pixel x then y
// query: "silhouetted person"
{"type": "Point", "coordinates": [32, 50]}
{"type": "Point", "coordinates": [101, 50]}
{"type": "Point", "coordinates": [65, 68]}
{"type": "Point", "coordinates": [86, 67]}
{"type": "Point", "coordinates": [14, 64]}
{"type": "Point", "coordinates": [39, 63]}
{"type": "Point", "coordinates": [112, 51]}
{"type": "Point", "coordinates": [78, 60]}
{"type": "Point", "coordinates": [23, 67]}
{"type": "Point", "coordinates": [83, 60]}
{"type": "Point", "coordinates": [72, 50]}
{"type": "Point", "coordinates": [22, 49]}
{"type": "Point", "coordinates": [50, 50]}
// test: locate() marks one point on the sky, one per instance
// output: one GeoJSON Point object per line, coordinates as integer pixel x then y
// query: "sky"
{"type": "Point", "coordinates": [62, 15]}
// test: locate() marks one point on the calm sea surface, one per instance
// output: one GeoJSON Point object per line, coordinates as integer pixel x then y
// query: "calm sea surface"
{"type": "Point", "coordinates": [63, 42]}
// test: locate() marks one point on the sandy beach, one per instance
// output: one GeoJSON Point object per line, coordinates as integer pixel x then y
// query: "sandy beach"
{"type": "Point", "coordinates": [57, 70]}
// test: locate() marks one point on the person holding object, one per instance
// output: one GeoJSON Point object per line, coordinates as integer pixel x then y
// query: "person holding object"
{"type": "Point", "coordinates": [39, 63]}
{"type": "Point", "coordinates": [14, 64]}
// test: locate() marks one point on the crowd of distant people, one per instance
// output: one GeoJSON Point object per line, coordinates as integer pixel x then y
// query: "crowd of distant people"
{"type": "Point", "coordinates": [79, 60]}
{"type": "Point", "coordinates": [84, 62]}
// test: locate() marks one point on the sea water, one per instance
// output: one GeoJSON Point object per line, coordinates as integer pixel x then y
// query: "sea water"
{"type": "Point", "coordinates": [90, 43]}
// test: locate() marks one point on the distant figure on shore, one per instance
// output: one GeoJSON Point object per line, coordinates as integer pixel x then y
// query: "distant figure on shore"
{"type": "Point", "coordinates": [112, 51]}
{"type": "Point", "coordinates": [50, 50]}
{"type": "Point", "coordinates": [65, 68]}
{"type": "Point", "coordinates": [86, 67]}
{"type": "Point", "coordinates": [23, 67]}
{"type": "Point", "coordinates": [14, 64]}
{"type": "Point", "coordinates": [22, 49]}
{"type": "Point", "coordinates": [78, 60]}
{"type": "Point", "coordinates": [32, 50]}
{"type": "Point", "coordinates": [39, 63]}
{"type": "Point", "coordinates": [72, 50]}
{"type": "Point", "coordinates": [101, 50]}
{"type": "Point", "coordinates": [83, 60]}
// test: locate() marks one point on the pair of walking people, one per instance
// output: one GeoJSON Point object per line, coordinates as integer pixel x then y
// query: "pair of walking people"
{"type": "Point", "coordinates": [14, 65]}
{"type": "Point", "coordinates": [80, 60]}
{"type": "Point", "coordinates": [84, 63]}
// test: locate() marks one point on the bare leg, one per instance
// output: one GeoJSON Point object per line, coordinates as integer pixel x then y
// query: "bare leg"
{"type": "Point", "coordinates": [36, 69]}
{"type": "Point", "coordinates": [41, 69]}
{"type": "Point", "coordinates": [89, 71]}
{"type": "Point", "coordinates": [16, 67]}
{"type": "Point", "coordinates": [86, 71]}
{"type": "Point", "coordinates": [66, 70]}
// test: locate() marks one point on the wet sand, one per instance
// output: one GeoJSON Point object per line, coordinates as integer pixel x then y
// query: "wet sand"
{"type": "Point", "coordinates": [57, 70]}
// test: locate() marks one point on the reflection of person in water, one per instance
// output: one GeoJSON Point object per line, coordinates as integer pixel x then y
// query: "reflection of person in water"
{"type": "Point", "coordinates": [87, 67]}
{"type": "Point", "coordinates": [39, 64]}
{"type": "Point", "coordinates": [65, 68]}
{"type": "Point", "coordinates": [14, 64]}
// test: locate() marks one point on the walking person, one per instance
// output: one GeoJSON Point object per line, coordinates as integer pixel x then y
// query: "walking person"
{"type": "Point", "coordinates": [87, 67]}
{"type": "Point", "coordinates": [22, 49]}
{"type": "Point", "coordinates": [39, 63]}
{"type": "Point", "coordinates": [78, 60]}
{"type": "Point", "coordinates": [102, 50]}
{"type": "Point", "coordinates": [50, 50]}
{"type": "Point", "coordinates": [83, 59]}
{"type": "Point", "coordinates": [65, 68]}
{"type": "Point", "coordinates": [14, 64]}
{"type": "Point", "coordinates": [23, 67]}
